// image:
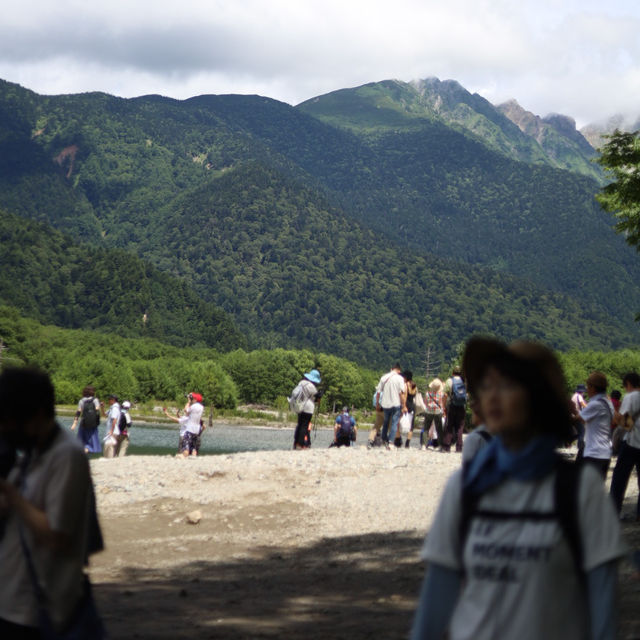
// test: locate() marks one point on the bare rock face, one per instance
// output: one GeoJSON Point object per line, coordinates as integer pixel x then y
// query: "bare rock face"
{"type": "Point", "coordinates": [526, 121]}
{"type": "Point", "coordinates": [194, 517]}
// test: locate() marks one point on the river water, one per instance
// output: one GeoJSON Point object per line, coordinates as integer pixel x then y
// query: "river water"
{"type": "Point", "coordinates": [162, 439]}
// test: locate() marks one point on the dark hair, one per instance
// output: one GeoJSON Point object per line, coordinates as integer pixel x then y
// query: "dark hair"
{"type": "Point", "coordinates": [407, 375]}
{"type": "Point", "coordinates": [632, 378]}
{"type": "Point", "coordinates": [89, 391]}
{"type": "Point", "coordinates": [615, 394]}
{"type": "Point", "coordinates": [25, 392]}
{"type": "Point", "coordinates": [535, 368]}
{"type": "Point", "coordinates": [397, 366]}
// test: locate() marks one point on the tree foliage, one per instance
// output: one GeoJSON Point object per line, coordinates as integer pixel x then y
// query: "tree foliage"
{"type": "Point", "coordinates": [143, 369]}
{"type": "Point", "coordinates": [55, 280]}
{"type": "Point", "coordinates": [620, 157]}
{"type": "Point", "coordinates": [365, 245]}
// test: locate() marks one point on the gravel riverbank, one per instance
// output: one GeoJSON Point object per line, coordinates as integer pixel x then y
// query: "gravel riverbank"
{"type": "Point", "coordinates": [316, 544]}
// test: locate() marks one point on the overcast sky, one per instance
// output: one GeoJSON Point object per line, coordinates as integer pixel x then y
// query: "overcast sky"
{"type": "Point", "coordinates": [577, 57]}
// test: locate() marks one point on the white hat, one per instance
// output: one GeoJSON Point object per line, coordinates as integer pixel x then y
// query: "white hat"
{"type": "Point", "coordinates": [126, 405]}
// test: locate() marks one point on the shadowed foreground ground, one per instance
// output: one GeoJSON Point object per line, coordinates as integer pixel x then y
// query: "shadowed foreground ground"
{"type": "Point", "coordinates": [286, 545]}
{"type": "Point", "coordinates": [360, 587]}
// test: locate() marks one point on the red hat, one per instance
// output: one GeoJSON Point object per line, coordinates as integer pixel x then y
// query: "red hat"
{"type": "Point", "coordinates": [196, 396]}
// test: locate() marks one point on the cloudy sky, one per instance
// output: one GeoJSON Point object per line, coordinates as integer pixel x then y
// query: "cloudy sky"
{"type": "Point", "coordinates": [577, 57]}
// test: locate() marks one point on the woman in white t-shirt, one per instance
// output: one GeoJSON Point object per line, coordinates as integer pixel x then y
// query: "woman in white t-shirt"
{"type": "Point", "coordinates": [524, 545]}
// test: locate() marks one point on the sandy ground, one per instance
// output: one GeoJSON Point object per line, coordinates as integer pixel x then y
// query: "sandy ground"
{"type": "Point", "coordinates": [310, 544]}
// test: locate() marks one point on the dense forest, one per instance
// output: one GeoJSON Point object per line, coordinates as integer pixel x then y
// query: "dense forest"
{"type": "Point", "coordinates": [368, 242]}
{"type": "Point", "coordinates": [55, 280]}
{"type": "Point", "coordinates": [143, 369]}
{"type": "Point", "coordinates": [290, 274]}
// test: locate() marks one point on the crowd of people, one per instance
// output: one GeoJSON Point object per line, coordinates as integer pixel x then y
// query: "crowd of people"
{"type": "Point", "coordinates": [118, 424]}
{"type": "Point", "coordinates": [525, 543]}
{"type": "Point", "coordinates": [87, 419]}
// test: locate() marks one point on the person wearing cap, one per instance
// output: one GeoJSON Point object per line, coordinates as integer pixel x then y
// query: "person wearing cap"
{"type": "Point", "coordinates": [505, 559]}
{"type": "Point", "coordinates": [344, 430]}
{"type": "Point", "coordinates": [597, 417]}
{"type": "Point", "coordinates": [113, 431]}
{"type": "Point", "coordinates": [193, 409]}
{"type": "Point", "coordinates": [306, 393]}
{"type": "Point", "coordinates": [123, 427]}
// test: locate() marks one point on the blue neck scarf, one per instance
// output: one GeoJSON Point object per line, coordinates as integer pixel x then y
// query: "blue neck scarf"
{"type": "Point", "coordinates": [496, 463]}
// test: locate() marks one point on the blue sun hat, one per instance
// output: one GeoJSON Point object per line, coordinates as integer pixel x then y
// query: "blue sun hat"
{"type": "Point", "coordinates": [313, 376]}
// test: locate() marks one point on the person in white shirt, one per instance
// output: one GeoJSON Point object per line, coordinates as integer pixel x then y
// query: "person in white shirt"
{"type": "Point", "coordinates": [113, 431]}
{"type": "Point", "coordinates": [391, 397]}
{"type": "Point", "coordinates": [193, 410]}
{"type": "Point", "coordinates": [579, 403]}
{"type": "Point", "coordinates": [597, 416]}
{"type": "Point", "coordinates": [629, 455]}
{"type": "Point", "coordinates": [48, 505]}
{"type": "Point", "coordinates": [507, 556]}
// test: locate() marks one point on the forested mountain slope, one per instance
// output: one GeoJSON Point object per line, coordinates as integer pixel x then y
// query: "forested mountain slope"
{"type": "Point", "coordinates": [54, 280]}
{"type": "Point", "coordinates": [294, 272]}
{"type": "Point", "coordinates": [315, 236]}
{"type": "Point", "coordinates": [392, 105]}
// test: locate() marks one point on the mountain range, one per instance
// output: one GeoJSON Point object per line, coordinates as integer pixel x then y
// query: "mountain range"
{"type": "Point", "coordinates": [369, 222]}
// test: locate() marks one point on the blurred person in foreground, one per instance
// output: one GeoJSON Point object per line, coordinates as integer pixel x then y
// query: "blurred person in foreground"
{"type": "Point", "coordinates": [51, 523]}
{"type": "Point", "coordinates": [524, 544]}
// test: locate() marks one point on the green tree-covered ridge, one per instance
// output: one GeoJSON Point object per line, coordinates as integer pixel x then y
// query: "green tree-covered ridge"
{"type": "Point", "coordinates": [57, 281]}
{"type": "Point", "coordinates": [254, 202]}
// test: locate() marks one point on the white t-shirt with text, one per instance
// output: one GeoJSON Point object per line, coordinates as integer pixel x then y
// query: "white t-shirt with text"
{"type": "Point", "coordinates": [521, 580]}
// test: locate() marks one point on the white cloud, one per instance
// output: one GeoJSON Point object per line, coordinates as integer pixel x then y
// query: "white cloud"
{"type": "Point", "coordinates": [552, 55]}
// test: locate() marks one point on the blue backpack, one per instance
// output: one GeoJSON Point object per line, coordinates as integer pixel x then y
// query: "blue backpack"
{"type": "Point", "coordinates": [346, 426]}
{"type": "Point", "coordinates": [458, 397]}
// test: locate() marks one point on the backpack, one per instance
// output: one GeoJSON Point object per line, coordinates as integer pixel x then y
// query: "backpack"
{"type": "Point", "coordinates": [458, 396]}
{"type": "Point", "coordinates": [346, 428]}
{"type": "Point", "coordinates": [298, 397]}
{"type": "Point", "coordinates": [565, 511]}
{"type": "Point", "coordinates": [123, 423]}
{"type": "Point", "coordinates": [90, 415]}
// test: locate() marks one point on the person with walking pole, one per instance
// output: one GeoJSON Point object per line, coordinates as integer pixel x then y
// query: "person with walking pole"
{"type": "Point", "coordinates": [303, 402]}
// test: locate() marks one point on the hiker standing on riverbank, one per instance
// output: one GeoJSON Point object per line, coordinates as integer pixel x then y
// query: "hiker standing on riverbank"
{"type": "Point", "coordinates": [434, 415]}
{"type": "Point", "coordinates": [193, 410]}
{"type": "Point", "coordinates": [391, 397]}
{"type": "Point", "coordinates": [456, 403]}
{"type": "Point", "coordinates": [87, 420]}
{"type": "Point", "coordinates": [113, 427]}
{"type": "Point", "coordinates": [302, 401]}
{"type": "Point", "coordinates": [597, 417]}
